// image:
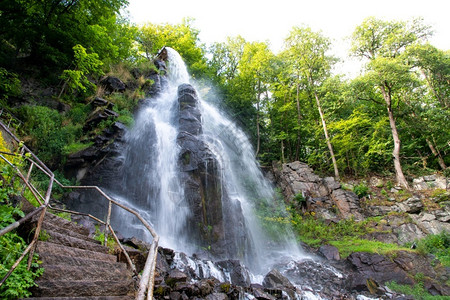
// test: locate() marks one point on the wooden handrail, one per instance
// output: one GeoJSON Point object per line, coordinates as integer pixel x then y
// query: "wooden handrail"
{"type": "Point", "coordinates": [148, 275]}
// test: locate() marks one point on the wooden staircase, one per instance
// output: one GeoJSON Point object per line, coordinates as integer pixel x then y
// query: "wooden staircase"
{"type": "Point", "coordinates": [77, 266]}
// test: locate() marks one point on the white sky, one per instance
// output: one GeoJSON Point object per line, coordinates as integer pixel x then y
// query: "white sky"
{"type": "Point", "coordinates": [272, 20]}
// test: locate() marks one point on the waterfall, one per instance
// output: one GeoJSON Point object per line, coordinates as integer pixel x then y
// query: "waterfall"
{"type": "Point", "coordinates": [176, 199]}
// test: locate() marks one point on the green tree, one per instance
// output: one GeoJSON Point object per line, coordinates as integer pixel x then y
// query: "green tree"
{"type": "Point", "coordinates": [382, 43]}
{"type": "Point", "coordinates": [253, 69]}
{"type": "Point", "coordinates": [306, 51]}
{"type": "Point", "coordinates": [181, 37]}
{"type": "Point", "coordinates": [44, 32]}
{"type": "Point", "coordinates": [85, 64]}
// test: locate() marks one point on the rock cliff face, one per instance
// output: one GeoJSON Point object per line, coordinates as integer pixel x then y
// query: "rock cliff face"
{"type": "Point", "coordinates": [215, 222]}
{"type": "Point", "coordinates": [404, 219]}
{"type": "Point", "coordinates": [324, 196]}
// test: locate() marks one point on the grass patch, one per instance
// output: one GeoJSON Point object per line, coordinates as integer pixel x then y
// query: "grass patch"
{"type": "Point", "coordinates": [417, 291]}
{"type": "Point", "coordinates": [76, 146]}
{"type": "Point", "coordinates": [349, 245]}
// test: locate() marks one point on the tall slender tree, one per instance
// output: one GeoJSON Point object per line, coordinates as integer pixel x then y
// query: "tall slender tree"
{"type": "Point", "coordinates": [307, 51]}
{"type": "Point", "coordinates": [382, 43]}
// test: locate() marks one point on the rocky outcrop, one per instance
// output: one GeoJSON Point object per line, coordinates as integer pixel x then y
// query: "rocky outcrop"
{"type": "Point", "coordinates": [216, 222]}
{"type": "Point", "coordinates": [320, 195]}
{"type": "Point", "coordinates": [112, 84]}
{"type": "Point", "coordinates": [430, 182]}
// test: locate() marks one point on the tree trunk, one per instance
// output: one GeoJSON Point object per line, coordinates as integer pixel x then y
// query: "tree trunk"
{"type": "Point", "coordinates": [327, 138]}
{"type": "Point", "coordinates": [299, 118]}
{"type": "Point", "coordinates": [436, 154]}
{"type": "Point", "coordinates": [258, 138]}
{"type": "Point", "coordinates": [401, 180]}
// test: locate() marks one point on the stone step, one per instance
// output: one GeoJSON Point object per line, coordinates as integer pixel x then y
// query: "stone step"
{"type": "Point", "coordinates": [54, 259]}
{"type": "Point", "coordinates": [63, 223]}
{"type": "Point", "coordinates": [84, 298]}
{"type": "Point", "coordinates": [66, 240]}
{"type": "Point", "coordinates": [47, 225]}
{"type": "Point", "coordinates": [66, 272]}
{"type": "Point", "coordinates": [50, 248]}
{"type": "Point", "coordinates": [56, 288]}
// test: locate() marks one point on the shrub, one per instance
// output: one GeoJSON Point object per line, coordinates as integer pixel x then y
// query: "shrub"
{"type": "Point", "coordinates": [361, 190]}
{"type": "Point", "coordinates": [44, 127]}
{"type": "Point", "coordinates": [9, 84]}
{"type": "Point", "coordinates": [438, 245]}
{"type": "Point", "coordinates": [11, 248]}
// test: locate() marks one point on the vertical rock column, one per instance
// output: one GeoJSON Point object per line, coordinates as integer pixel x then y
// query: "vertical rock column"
{"type": "Point", "coordinates": [203, 189]}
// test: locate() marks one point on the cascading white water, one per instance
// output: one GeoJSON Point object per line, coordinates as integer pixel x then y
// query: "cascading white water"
{"type": "Point", "coordinates": [153, 152]}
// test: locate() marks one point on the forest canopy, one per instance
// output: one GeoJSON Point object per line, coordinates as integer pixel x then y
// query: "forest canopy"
{"type": "Point", "coordinates": [294, 105]}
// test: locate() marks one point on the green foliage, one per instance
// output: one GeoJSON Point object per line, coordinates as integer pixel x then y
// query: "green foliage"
{"type": "Point", "coordinates": [110, 241]}
{"type": "Point", "coordinates": [47, 133]}
{"type": "Point", "coordinates": [299, 199]}
{"type": "Point", "coordinates": [349, 245]}
{"type": "Point", "coordinates": [9, 84]}
{"type": "Point", "coordinates": [361, 189]}
{"type": "Point", "coordinates": [417, 291]}
{"type": "Point", "coordinates": [346, 235]}
{"type": "Point", "coordinates": [181, 37]}
{"type": "Point", "coordinates": [438, 245]}
{"type": "Point", "coordinates": [11, 247]}
{"type": "Point", "coordinates": [45, 31]}
{"type": "Point", "coordinates": [85, 64]}
{"type": "Point", "coordinates": [76, 146]}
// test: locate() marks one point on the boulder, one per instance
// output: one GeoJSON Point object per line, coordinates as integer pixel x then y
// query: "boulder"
{"type": "Point", "coordinates": [112, 84]}
{"type": "Point", "coordinates": [412, 205]}
{"type": "Point", "coordinates": [274, 279]}
{"type": "Point", "coordinates": [238, 273]}
{"type": "Point", "coordinates": [407, 233]}
{"type": "Point", "coordinates": [348, 204]}
{"type": "Point", "coordinates": [330, 252]}
{"type": "Point", "coordinates": [375, 267]}
{"type": "Point", "coordinates": [175, 276]}
{"type": "Point", "coordinates": [217, 296]}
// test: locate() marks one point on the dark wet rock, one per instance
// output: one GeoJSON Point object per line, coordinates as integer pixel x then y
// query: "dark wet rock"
{"type": "Point", "coordinates": [175, 276]}
{"type": "Point", "coordinates": [310, 274]}
{"type": "Point", "coordinates": [100, 102]}
{"type": "Point", "coordinates": [330, 252]}
{"type": "Point", "coordinates": [274, 279]}
{"type": "Point", "coordinates": [113, 84]}
{"type": "Point", "coordinates": [259, 293]}
{"type": "Point", "coordinates": [238, 272]}
{"type": "Point", "coordinates": [217, 296]}
{"type": "Point", "coordinates": [98, 115]}
{"type": "Point", "coordinates": [375, 267]}
{"type": "Point", "coordinates": [187, 288]}
{"type": "Point", "coordinates": [136, 243]}
{"type": "Point", "coordinates": [205, 286]}
{"type": "Point", "coordinates": [210, 225]}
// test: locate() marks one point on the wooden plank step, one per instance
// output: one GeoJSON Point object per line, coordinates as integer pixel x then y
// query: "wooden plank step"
{"type": "Point", "coordinates": [62, 239]}
{"type": "Point", "coordinates": [56, 288]}
{"type": "Point", "coordinates": [58, 249]}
